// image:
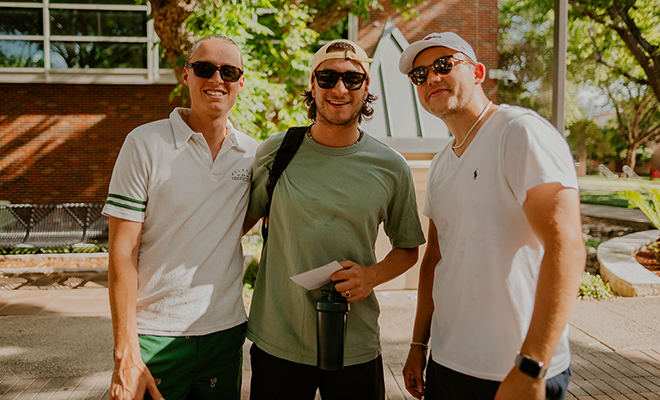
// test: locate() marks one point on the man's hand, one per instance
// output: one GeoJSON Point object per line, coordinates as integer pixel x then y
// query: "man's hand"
{"type": "Point", "coordinates": [520, 386]}
{"type": "Point", "coordinates": [132, 382]}
{"type": "Point", "coordinates": [413, 371]}
{"type": "Point", "coordinates": [359, 281]}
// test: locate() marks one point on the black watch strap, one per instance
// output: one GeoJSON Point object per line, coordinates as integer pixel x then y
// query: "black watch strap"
{"type": "Point", "coordinates": [530, 367]}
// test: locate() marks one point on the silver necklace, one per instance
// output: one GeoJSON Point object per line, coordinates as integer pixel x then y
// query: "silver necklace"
{"type": "Point", "coordinates": [485, 110]}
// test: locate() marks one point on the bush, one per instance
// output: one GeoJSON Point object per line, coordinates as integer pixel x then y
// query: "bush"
{"type": "Point", "coordinates": [250, 275]}
{"type": "Point", "coordinates": [592, 286]}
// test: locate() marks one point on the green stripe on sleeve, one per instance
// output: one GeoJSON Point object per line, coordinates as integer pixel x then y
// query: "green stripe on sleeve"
{"type": "Point", "coordinates": [116, 196]}
{"type": "Point", "coordinates": [114, 203]}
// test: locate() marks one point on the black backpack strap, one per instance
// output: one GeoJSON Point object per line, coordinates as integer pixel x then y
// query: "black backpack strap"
{"type": "Point", "coordinates": [290, 144]}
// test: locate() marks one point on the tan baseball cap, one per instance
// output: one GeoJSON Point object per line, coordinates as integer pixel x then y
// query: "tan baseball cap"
{"type": "Point", "coordinates": [359, 55]}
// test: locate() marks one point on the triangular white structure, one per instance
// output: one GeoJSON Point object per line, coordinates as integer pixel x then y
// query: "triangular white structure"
{"type": "Point", "coordinates": [399, 119]}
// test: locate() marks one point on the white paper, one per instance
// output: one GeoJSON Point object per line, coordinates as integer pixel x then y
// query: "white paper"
{"type": "Point", "coordinates": [317, 277]}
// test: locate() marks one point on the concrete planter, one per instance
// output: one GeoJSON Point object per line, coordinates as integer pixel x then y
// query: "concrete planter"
{"type": "Point", "coordinates": [619, 267]}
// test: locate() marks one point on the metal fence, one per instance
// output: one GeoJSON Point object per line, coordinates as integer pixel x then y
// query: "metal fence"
{"type": "Point", "coordinates": [52, 224]}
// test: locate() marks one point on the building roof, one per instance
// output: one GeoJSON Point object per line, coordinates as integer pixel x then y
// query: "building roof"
{"type": "Point", "coordinates": [399, 119]}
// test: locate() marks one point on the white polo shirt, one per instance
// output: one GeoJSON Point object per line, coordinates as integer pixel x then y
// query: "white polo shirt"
{"type": "Point", "coordinates": [192, 208]}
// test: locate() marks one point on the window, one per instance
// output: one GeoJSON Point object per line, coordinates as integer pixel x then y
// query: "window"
{"type": "Point", "coordinates": [79, 41]}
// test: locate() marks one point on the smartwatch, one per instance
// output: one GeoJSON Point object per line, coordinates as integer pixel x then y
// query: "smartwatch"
{"type": "Point", "coordinates": [530, 366]}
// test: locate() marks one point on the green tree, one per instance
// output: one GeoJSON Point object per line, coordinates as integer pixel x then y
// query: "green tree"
{"type": "Point", "coordinates": [587, 142]}
{"type": "Point", "coordinates": [277, 39]}
{"type": "Point", "coordinates": [612, 46]}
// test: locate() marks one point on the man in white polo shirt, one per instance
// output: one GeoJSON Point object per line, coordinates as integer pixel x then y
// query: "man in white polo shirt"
{"type": "Point", "coordinates": [177, 201]}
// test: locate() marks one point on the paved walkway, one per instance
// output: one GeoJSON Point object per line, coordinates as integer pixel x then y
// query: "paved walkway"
{"type": "Point", "coordinates": [57, 344]}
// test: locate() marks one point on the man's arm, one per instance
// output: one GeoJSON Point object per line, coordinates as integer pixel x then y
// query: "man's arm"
{"type": "Point", "coordinates": [130, 377]}
{"type": "Point", "coordinates": [553, 212]}
{"type": "Point", "coordinates": [413, 371]}
{"type": "Point", "coordinates": [360, 280]}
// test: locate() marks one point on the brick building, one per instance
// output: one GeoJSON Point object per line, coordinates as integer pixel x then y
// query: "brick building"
{"type": "Point", "coordinates": [64, 115]}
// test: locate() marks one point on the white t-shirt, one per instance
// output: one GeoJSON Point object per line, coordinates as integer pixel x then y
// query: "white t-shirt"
{"type": "Point", "coordinates": [485, 284]}
{"type": "Point", "coordinates": [192, 208]}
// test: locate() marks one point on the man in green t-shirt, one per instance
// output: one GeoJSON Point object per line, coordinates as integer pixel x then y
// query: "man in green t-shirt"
{"type": "Point", "coordinates": [327, 206]}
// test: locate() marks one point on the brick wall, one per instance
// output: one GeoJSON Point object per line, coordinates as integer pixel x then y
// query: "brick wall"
{"type": "Point", "coordinates": [474, 20]}
{"type": "Point", "coordinates": [59, 142]}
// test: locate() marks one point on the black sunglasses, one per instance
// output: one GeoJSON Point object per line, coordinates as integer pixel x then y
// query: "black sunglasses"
{"type": "Point", "coordinates": [205, 69]}
{"type": "Point", "coordinates": [327, 79]}
{"type": "Point", "coordinates": [442, 66]}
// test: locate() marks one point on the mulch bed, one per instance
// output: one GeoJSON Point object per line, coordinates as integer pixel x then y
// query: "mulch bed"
{"type": "Point", "coordinates": [43, 262]}
{"type": "Point", "coordinates": [646, 256]}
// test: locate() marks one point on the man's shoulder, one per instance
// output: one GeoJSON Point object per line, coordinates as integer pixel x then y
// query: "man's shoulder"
{"type": "Point", "coordinates": [151, 130]}
{"type": "Point", "coordinates": [247, 142]}
{"type": "Point", "coordinates": [385, 152]}
{"type": "Point", "coordinates": [516, 116]}
{"type": "Point", "coordinates": [271, 145]}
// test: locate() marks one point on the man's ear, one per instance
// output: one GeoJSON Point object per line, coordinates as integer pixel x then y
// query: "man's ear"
{"type": "Point", "coordinates": [241, 83]}
{"type": "Point", "coordinates": [185, 77]}
{"type": "Point", "coordinates": [479, 73]}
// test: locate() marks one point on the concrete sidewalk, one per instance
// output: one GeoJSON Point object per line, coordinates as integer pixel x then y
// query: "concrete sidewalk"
{"type": "Point", "coordinates": [57, 344]}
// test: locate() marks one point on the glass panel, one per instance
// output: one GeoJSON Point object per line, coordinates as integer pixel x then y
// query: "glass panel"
{"type": "Point", "coordinates": [128, 2]}
{"type": "Point", "coordinates": [20, 53]}
{"type": "Point", "coordinates": [21, 21]}
{"type": "Point", "coordinates": [98, 55]}
{"type": "Point", "coordinates": [98, 23]}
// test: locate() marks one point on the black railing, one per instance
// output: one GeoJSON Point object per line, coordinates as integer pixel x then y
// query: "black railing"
{"type": "Point", "coordinates": [52, 224]}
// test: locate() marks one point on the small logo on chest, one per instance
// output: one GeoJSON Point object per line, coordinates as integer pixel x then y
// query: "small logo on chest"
{"type": "Point", "coordinates": [241, 174]}
{"type": "Point", "coordinates": [475, 174]}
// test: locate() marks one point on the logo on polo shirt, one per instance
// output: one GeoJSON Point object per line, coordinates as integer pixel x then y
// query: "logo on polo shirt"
{"type": "Point", "coordinates": [241, 174]}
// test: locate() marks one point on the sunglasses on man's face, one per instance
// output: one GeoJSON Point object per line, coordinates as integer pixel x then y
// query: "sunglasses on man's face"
{"type": "Point", "coordinates": [327, 79]}
{"type": "Point", "coordinates": [442, 66]}
{"type": "Point", "coordinates": [205, 69]}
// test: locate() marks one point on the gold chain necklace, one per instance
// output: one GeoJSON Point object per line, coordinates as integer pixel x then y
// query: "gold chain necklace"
{"type": "Point", "coordinates": [485, 110]}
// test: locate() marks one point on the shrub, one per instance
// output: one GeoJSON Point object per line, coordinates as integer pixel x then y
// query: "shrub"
{"type": "Point", "coordinates": [250, 275]}
{"type": "Point", "coordinates": [649, 203]}
{"type": "Point", "coordinates": [592, 286]}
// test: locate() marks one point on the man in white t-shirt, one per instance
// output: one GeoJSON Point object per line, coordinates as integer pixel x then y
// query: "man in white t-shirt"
{"type": "Point", "coordinates": [505, 252]}
{"type": "Point", "coordinates": [177, 201]}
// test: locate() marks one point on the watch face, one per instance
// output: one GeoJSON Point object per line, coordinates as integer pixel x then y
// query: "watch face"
{"type": "Point", "coordinates": [530, 367]}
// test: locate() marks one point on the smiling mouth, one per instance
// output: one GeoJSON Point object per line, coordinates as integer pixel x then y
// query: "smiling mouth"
{"type": "Point", "coordinates": [437, 91]}
{"type": "Point", "coordinates": [215, 92]}
{"type": "Point", "coordinates": [338, 103]}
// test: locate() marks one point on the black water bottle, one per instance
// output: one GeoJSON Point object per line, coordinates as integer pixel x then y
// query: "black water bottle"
{"type": "Point", "coordinates": [331, 310]}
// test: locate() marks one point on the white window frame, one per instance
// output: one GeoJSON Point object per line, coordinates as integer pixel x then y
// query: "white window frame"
{"type": "Point", "coordinates": [153, 74]}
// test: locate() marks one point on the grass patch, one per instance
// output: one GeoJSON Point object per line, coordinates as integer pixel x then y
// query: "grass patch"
{"type": "Point", "coordinates": [593, 243]}
{"type": "Point", "coordinates": [74, 249]}
{"type": "Point", "coordinates": [603, 198]}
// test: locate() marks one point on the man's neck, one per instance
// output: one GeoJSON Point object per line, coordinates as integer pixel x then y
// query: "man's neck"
{"type": "Point", "coordinates": [214, 129]}
{"type": "Point", "coordinates": [335, 135]}
{"type": "Point", "coordinates": [463, 124]}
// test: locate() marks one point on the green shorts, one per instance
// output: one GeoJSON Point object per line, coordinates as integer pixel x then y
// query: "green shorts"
{"type": "Point", "coordinates": [199, 367]}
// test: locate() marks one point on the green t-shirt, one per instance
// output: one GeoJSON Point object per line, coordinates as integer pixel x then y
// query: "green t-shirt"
{"type": "Point", "coordinates": [327, 206]}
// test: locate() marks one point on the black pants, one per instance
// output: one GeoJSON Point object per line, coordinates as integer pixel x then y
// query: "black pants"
{"type": "Point", "coordinates": [443, 383]}
{"type": "Point", "coordinates": [274, 378]}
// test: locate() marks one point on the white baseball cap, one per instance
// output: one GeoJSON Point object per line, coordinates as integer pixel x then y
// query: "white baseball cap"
{"type": "Point", "coordinates": [449, 40]}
